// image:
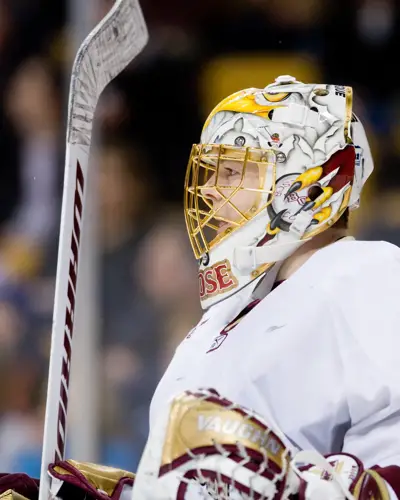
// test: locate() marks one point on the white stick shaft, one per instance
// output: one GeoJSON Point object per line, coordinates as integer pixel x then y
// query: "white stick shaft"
{"type": "Point", "coordinates": [83, 414]}
{"type": "Point", "coordinates": [76, 167]}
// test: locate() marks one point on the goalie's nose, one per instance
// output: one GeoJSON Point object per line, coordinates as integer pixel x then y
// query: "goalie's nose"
{"type": "Point", "coordinates": [210, 192]}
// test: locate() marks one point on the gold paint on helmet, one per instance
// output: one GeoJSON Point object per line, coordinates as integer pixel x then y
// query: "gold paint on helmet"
{"type": "Point", "coordinates": [309, 177]}
{"type": "Point", "coordinates": [335, 218]}
{"type": "Point", "coordinates": [323, 214]}
{"type": "Point", "coordinates": [349, 112]}
{"type": "Point", "coordinates": [272, 231]}
{"type": "Point", "coordinates": [275, 97]}
{"type": "Point", "coordinates": [242, 102]}
{"type": "Point", "coordinates": [261, 269]}
{"type": "Point", "coordinates": [325, 195]}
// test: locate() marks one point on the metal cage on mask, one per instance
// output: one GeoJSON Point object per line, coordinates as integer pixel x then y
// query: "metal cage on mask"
{"type": "Point", "coordinates": [214, 202]}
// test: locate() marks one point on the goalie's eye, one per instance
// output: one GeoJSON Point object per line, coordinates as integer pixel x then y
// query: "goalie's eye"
{"type": "Point", "coordinates": [230, 172]}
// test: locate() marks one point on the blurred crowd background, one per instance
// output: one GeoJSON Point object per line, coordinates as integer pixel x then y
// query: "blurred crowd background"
{"type": "Point", "coordinates": [199, 52]}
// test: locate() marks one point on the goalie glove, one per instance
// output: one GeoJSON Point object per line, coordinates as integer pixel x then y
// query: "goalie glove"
{"type": "Point", "coordinates": [337, 477]}
{"type": "Point", "coordinates": [206, 447]}
{"type": "Point", "coordinates": [18, 487]}
{"type": "Point", "coordinates": [72, 480]}
{"type": "Point", "coordinates": [12, 495]}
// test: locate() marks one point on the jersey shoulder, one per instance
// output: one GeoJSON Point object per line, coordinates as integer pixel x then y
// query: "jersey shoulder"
{"type": "Point", "coordinates": [363, 265]}
{"type": "Point", "coordinates": [359, 284]}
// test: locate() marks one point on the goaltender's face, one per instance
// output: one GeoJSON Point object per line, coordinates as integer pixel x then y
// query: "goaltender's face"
{"type": "Point", "coordinates": [234, 192]}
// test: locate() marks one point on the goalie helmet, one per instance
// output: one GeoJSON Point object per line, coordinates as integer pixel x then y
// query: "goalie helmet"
{"type": "Point", "coordinates": [274, 168]}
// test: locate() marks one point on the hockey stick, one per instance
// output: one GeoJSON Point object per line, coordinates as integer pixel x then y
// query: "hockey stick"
{"type": "Point", "coordinates": [106, 51]}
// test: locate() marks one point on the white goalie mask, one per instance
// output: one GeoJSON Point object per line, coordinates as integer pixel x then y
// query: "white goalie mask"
{"type": "Point", "coordinates": [274, 167]}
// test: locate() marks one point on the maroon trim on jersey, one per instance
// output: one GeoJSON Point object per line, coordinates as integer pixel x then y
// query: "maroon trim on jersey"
{"type": "Point", "coordinates": [223, 335]}
{"type": "Point", "coordinates": [391, 475]}
{"type": "Point", "coordinates": [240, 316]}
{"type": "Point", "coordinates": [276, 284]}
{"type": "Point", "coordinates": [245, 311]}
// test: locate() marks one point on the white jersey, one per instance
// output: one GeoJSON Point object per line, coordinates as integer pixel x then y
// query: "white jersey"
{"type": "Point", "coordinates": [318, 357]}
